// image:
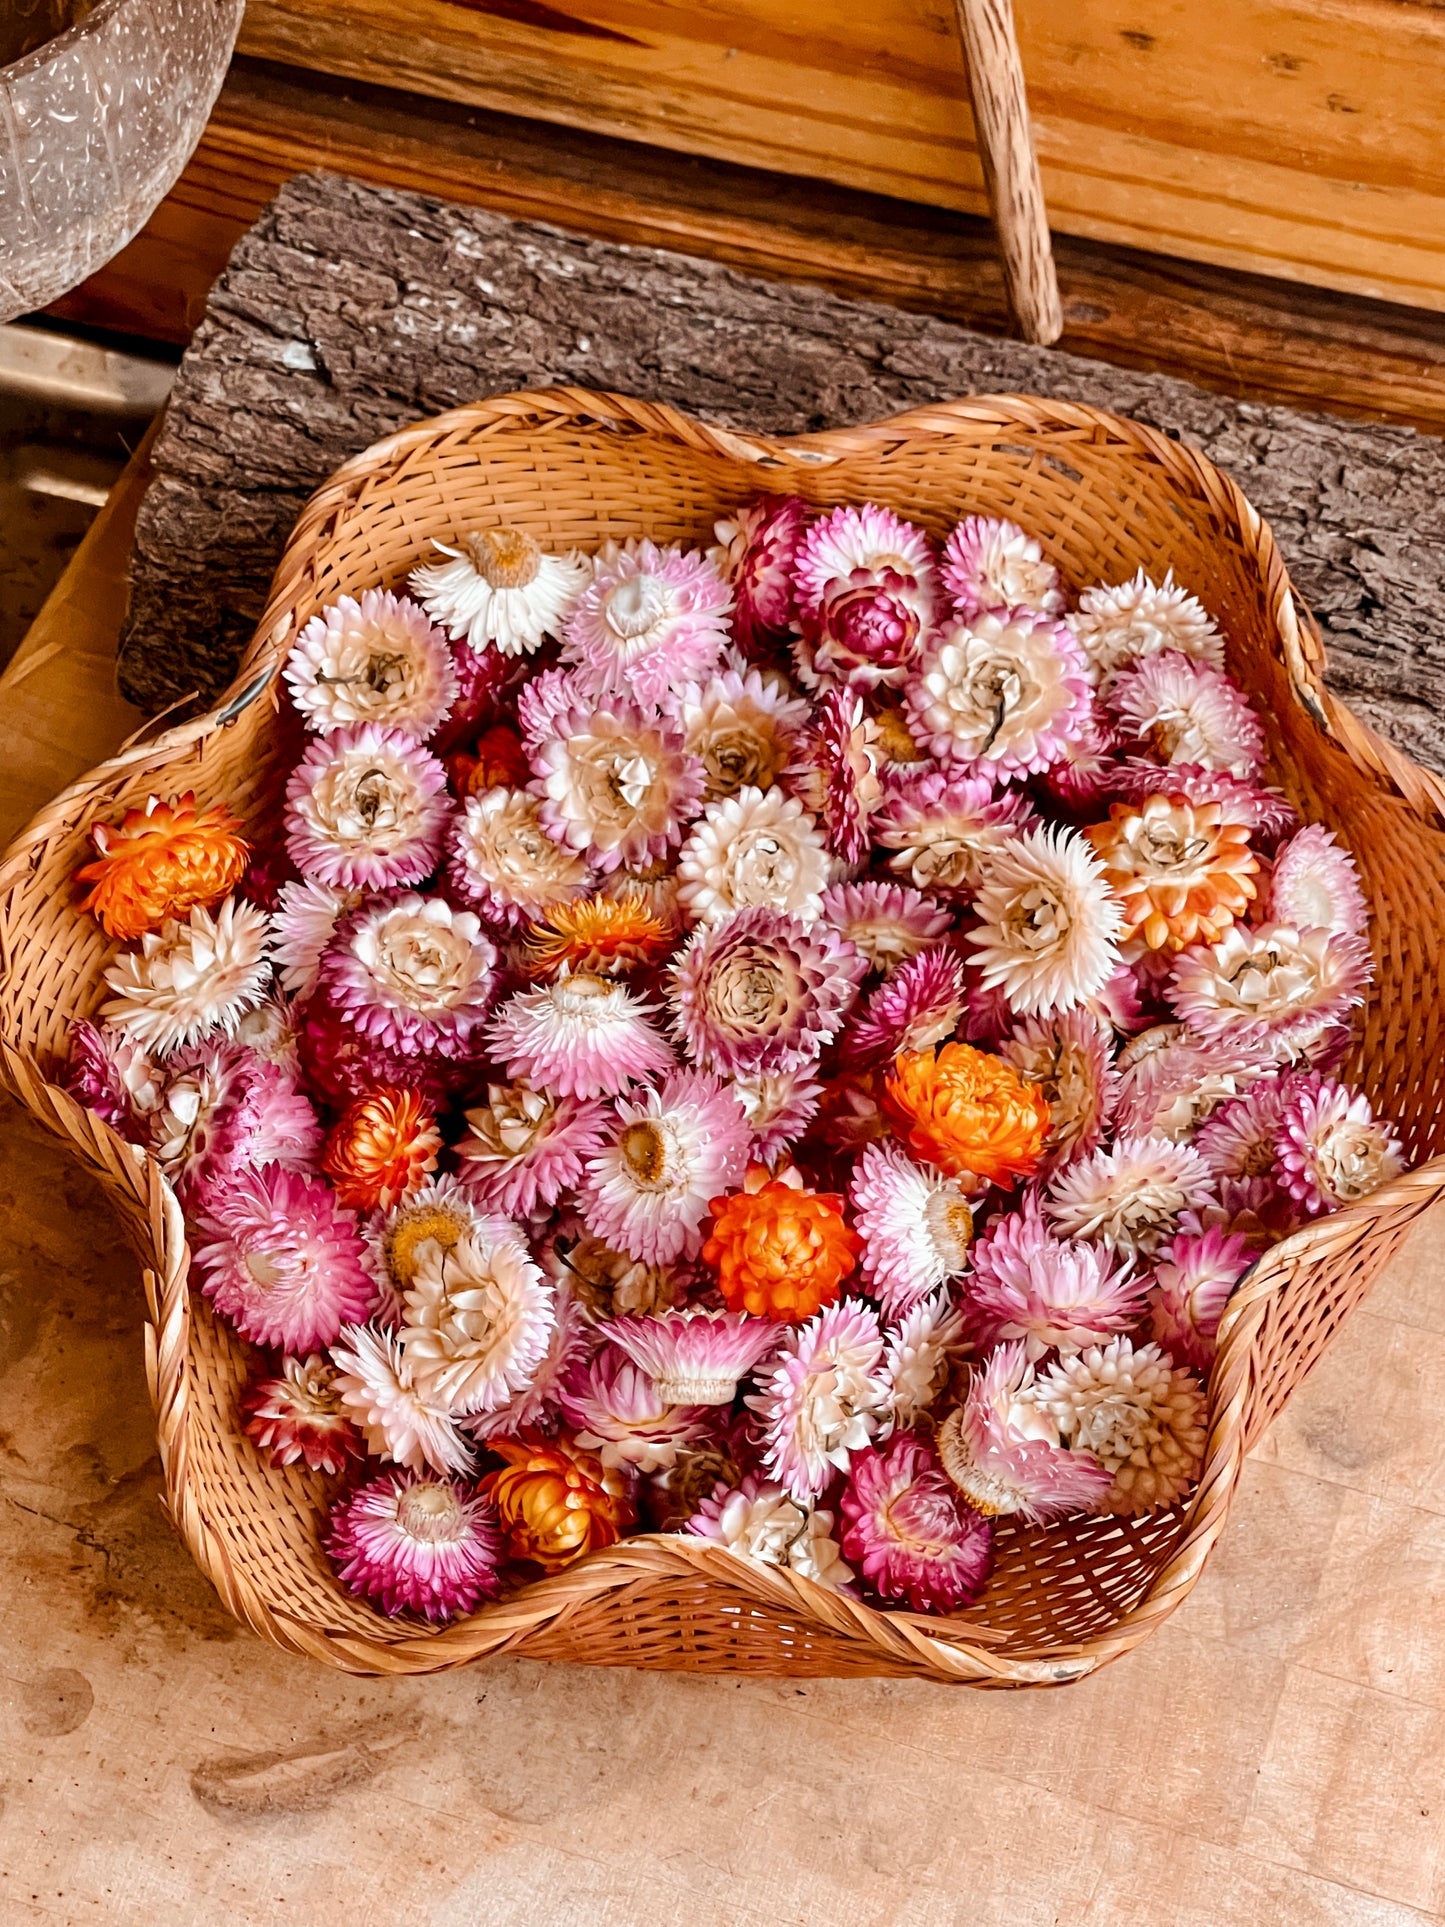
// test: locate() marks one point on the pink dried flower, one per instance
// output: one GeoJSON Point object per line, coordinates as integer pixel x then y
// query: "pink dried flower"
{"type": "Point", "coordinates": [1187, 713]}
{"type": "Point", "coordinates": [525, 1147]}
{"type": "Point", "coordinates": [438, 1211]}
{"type": "Point", "coordinates": [615, 1410]}
{"type": "Point", "coordinates": [1332, 1149]}
{"type": "Point", "coordinates": [695, 1357]}
{"type": "Point", "coordinates": [398, 1421]}
{"type": "Point", "coordinates": [742, 728]}
{"type": "Point", "coordinates": [1138, 619]}
{"type": "Point", "coordinates": [1273, 986]}
{"type": "Point", "coordinates": [886, 922]}
{"type": "Point", "coordinates": [915, 1224]}
{"type": "Point", "coordinates": [366, 808]}
{"type": "Point", "coordinates": [779, 1105]}
{"type": "Point", "coordinates": [1263, 812]}
{"type": "Point", "coordinates": [761, 991]}
{"type": "Point", "coordinates": [1194, 1278]}
{"type": "Point", "coordinates": [759, 544]}
{"type": "Point", "coordinates": [1086, 770]}
{"type": "Point", "coordinates": [869, 538]}
{"type": "Point", "coordinates": [1238, 1139]}
{"type": "Point", "coordinates": [868, 628]}
{"type": "Point", "coordinates": [824, 1397]}
{"type": "Point", "coordinates": [1026, 1284]}
{"type": "Point", "coordinates": [303, 924]}
{"type": "Point", "coordinates": [342, 1063]}
{"type": "Point", "coordinates": [1315, 885]}
{"type": "Point", "coordinates": [502, 862]}
{"type": "Point", "coordinates": [112, 1077]}
{"type": "Point", "coordinates": [758, 1520]}
{"type": "Point", "coordinates": [1140, 1416]}
{"type": "Point", "coordinates": [944, 828]}
{"type": "Point", "coordinates": [374, 661]}
{"type": "Point", "coordinates": [410, 1544]}
{"type": "Point", "coordinates": [1002, 693]}
{"type": "Point", "coordinates": [991, 565]}
{"type": "Point", "coordinates": [836, 776]}
{"type": "Point", "coordinates": [914, 1009]}
{"type": "Point", "coordinates": [1067, 1057]}
{"type": "Point", "coordinates": [1170, 1092]}
{"type": "Point", "coordinates": [414, 975]}
{"type": "Point", "coordinates": [544, 700]}
{"type": "Point", "coordinates": [1129, 1197]}
{"type": "Point", "coordinates": [909, 1532]}
{"type": "Point", "coordinates": [667, 1153]}
{"type": "Point", "coordinates": [579, 1036]}
{"type": "Point", "coordinates": [285, 1264]}
{"type": "Point", "coordinates": [1002, 1461]}
{"type": "Point", "coordinates": [616, 785]}
{"type": "Point", "coordinates": [294, 1416]}
{"type": "Point", "coordinates": [224, 1109]}
{"type": "Point", "coordinates": [649, 620]}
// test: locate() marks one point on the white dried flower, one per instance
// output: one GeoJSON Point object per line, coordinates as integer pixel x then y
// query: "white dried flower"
{"type": "Point", "coordinates": [1140, 1416]}
{"type": "Point", "coordinates": [1142, 618]}
{"type": "Point", "coordinates": [378, 1394]}
{"type": "Point", "coordinates": [756, 848]}
{"type": "Point", "coordinates": [374, 661]}
{"type": "Point", "coordinates": [1131, 1197]}
{"type": "Point", "coordinates": [189, 979]}
{"type": "Point", "coordinates": [499, 590]}
{"type": "Point", "coordinates": [1047, 923]}
{"type": "Point", "coordinates": [921, 1355]}
{"type": "Point", "coordinates": [477, 1319]}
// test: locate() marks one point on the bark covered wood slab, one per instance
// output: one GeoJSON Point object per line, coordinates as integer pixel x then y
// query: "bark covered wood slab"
{"type": "Point", "coordinates": [348, 311]}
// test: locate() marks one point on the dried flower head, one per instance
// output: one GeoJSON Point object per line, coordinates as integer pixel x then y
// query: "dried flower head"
{"type": "Point", "coordinates": [742, 727]}
{"type": "Point", "coordinates": [1180, 871]}
{"type": "Point", "coordinates": [606, 934]}
{"type": "Point", "coordinates": [499, 590]}
{"type": "Point", "coordinates": [914, 1009]}
{"type": "Point", "coordinates": [761, 991]}
{"type": "Point", "coordinates": [649, 621]}
{"type": "Point", "coordinates": [868, 628]}
{"type": "Point", "coordinates": [525, 1147]}
{"type": "Point", "coordinates": [779, 1105]}
{"type": "Point", "coordinates": [990, 565]}
{"type": "Point", "coordinates": [616, 1410]}
{"type": "Point", "coordinates": [1055, 1296]}
{"type": "Point", "coordinates": [836, 774]}
{"type": "Point", "coordinates": [945, 829]}
{"type": "Point", "coordinates": [380, 1149]}
{"type": "Point", "coordinates": [780, 1250]}
{"type": "Point", "coordinates": [438, 1212]}
{"type": "Point", "coordinates": [1262, 811]}
{"type": "Point", "coordinates": [1140, 618]}
{"type": "Point", "coordinates": [476, 1319]}
{"type": "Point", "coordinates": [503, 863]}
{"type": "Point", "coordinates": [1272, 986]}
{"type": "Point", "coordinates": [758, 545]}
{"type": "Point", "coordinates": [295, 1417]}
{"type": "Point", "coordinates": [967, 1112]}
{"type": "Point", "coordinates": [885, 922]}
{"type": "Point", "coordinates": [1048, 923]}
{"type": "Point", "coordinates": [285, 1260]}
{"type": "Point", "coordinates": [303, 925]}
{"type": "Point", "coordinates": [366, 808]}
{"type": "Point", "coordinates": [915, 1225]}
{"type": "Point", "coordinates": [758, 1520]}
{"type": "Point", "coordinates": [1171, 1091]}
{"type": "Point", "coordinates": [1066, 1058]}
{"type": "Point", "coordinates": [1332, 1149]}
{"type": "Point", "coordinates": [824, 1398]}
{"type": "Point", "coordinates": [908, 1531]}
{"type": "Point", "coordinates": [413, 974]}
{"type": "Point", "coordinates": [538, 1409]}
{"type": "Point", "coordinates": [616, 784]}
{"type": "Point", "coordinates": [694, 1357]}
{"type": "Point", "coordinates": [374, 661]}
{"type": "Point", "coordinates": [159, 862]}
{"type": "Point", "coordinates": [580, 1036]}
{"type": "Point", "coordinates": [1129, 1197]}
{"type": "Point", "coordinates": [557, 1501]}
{"type": "Point", "coordinates": [222, 1109]}
{"type": "Point", "coordinates": [869, 538]}
{"type": "Point", "coordinates": [1314, 885]}
{"type": "Point", "coordinates": [922, 1351]}
{"type": "Point", "coordinates": [112, 1077]}
{"type": "Point", "coordinates": [667, 1152]}
{"type": "Point", "coordinates": [758, 849]}
{"type": "Point", "coordinates": [411, 1544]}
{"type": "Point", "coordinates": [1182, 712]}
{"type": "Point", "coordinates": [995, 1452]}
{"type": "Point", "coordinates": [1194, 1277]}
{"type": "Point", "coordinates": [1001, 692]}
{"type": "Point", "coordinates": [379, 1395]}
{"type": "Point", "coordinates": [1142, 1418]}
{"type": "Point", "coordinates": [190, 978]}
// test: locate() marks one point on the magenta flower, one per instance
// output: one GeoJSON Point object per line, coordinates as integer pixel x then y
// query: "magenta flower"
{"type": "Point", "coordinates": [991, 565]}
{"type": "Point", "coordinates": [225, 1109]}
{"type": "Point", "coordinates": [616, 1410]}
{"type": "Point", "coordinates": [1314, 885]}
{"type": "Point", "coordinates": [666, 1153]}
{"type": "Point", "coordinates": [695, 1357]}
{"type": "Point", "coordinates": [824, 1398]}
{"type": "Point", "coordinates": [908, 1530]}
{"type": "Point", "coordinates": [366, 808]}
{"type": "Point", "coordinates": [411, 1544]}
{"type": "Point", "coordinates": [837, 773]}
{"type": "Point", "coordinates": [616, 785]}
{"type": "Point", "coordinates": [869, 538]}
{"type": "Point", "coordinates": [943, 829]}
{"type": "Point", "coordinates": [1002, 1459]}
{"type": "Point", "coordinates": [524, 1147]}
{"type": "Point", "coordinates": [579, 1036]}
{"type": "Point", "coordinates": [761, 991]}
{"type": "Point", "coordinates": [1194, 1278]}
{"type": "Point", "coordinates": [286, 1264]}
{"type": "Point", "coordinates": [868, 630]}
{"type": "Point", "coordinates": [1332, 1149]}
{"type": "Point", "coordinates": [886, 922]}
{"type": "Point", "coordinates": [1055, 1296]}
{"type": "Point", "coordinates": [759, 543]}
{"type": "Point", "coordinates": [914, 1009]}
{"type": "Point", "coordinates": [112, 1077]}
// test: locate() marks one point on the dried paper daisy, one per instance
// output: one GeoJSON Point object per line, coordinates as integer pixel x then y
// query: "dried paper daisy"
{"type": "Point", "coordinates": [557, 1501]}
{"type": "Point", "coordinates": [694, 1357]}
{"type": "Point", "coordinates": [1139, 1416]}
{"type": "Point", "coordinates": [580, 1036]}
{"type": "Point", "coordinates": [761, 991]}
{"type": "Point", "coordinates": [1331, 1148]}
{"type": "Point", "coordinates": [295, 1417]}
{"type": "Point", "coordinates": [476, 1319]}
{"type": "Point", "coordinates": [1026, 1284]}
{"type": "Point", "coordinates": [886, 923]}
{"type": "Point", "coordinates": [618, 1412]}
{"type": "Point", "coordinates": [159, 862]}
{"type": "Point", "coordinates": [665, 1154]}
{"type": "Point", "coordinates": [608, 935]}
{"type": "Point", "coordinates": [1271, 986]}
{"type": "Point", "coordinates": [381, 1148]}
{"type": "Point", "coordinates": [922, 1351]}
{"type": "Point", "coordinates": [1138, 619]}
{"type": "Point", "coordinates": [1194, 1277]}
{"type": "Point", "coordinates": [945, 829]}
{"type": "Point", "coordinates": [1048, 923]}
{"type": "Point", "coordinates": [758, 1520]}
{"type": "Point", "coordinates": [502, 862]}
{"type": "Point", "coordinates": [374, 661]}
{"type": "Point", "coordinates": [970, 1114]}
{"type": "Point", "coordinates": [994, 1450]}
{"type": "Point", "coordinates": [616, 784]}
{"type": "Point", "coordinates": [758, 849]}
{"type": "Point", "coordinates": [742, 727]}
{"type": "Point", "coordinates": [366, 808]}
{"type": "Point", "coordinates": [379, 1395]}
{"type": "Point", "coordinates": [190, 978]}
{"type": "Point", "coordinates": [1314, 885]}
{"type": "Point", "coordinates": [1181, 873]}
{"type": "Point", "coordinates": [284, 1260]}
{"type": "Point", "coordinates": [1129, 1197]}
{"type": "Point", "coordinates": [824, 1398]}
{"type": "Point", "coordinates": [1000, 693]}
{"type": "Point", "coordinates": [916, 1226]}
{"type": "Point", "coordinates": [1067, 1059]}
{"type": "Point", "coordinates": [758, 543]}
{"type": "Point", "coordinates": [1182, 712]}
{"type": "Point", "coordinates": [524, 1147]}
{"type": "Point", "coordinates": [499, 591]}
{"type": "Point", "coordinates": [991, 565]}
{"type": "Point", "coordinates": [909, 1533]}
{"type": "Point", "coordinates": [411, 1544]}
{"type": "Point", "coordinates": [412, 974]}
{"type": "Point", "coordinates": [649, 621]}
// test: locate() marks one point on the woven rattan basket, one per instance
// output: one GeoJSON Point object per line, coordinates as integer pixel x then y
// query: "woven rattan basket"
{"type": "Point", "coordinates": [1105, 496]}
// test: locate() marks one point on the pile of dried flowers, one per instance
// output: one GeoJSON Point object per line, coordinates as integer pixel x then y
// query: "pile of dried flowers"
{"type": "Point", "coordinates": [795, 1044]}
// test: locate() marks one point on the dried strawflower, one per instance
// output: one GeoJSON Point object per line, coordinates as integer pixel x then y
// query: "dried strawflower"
{"type": "Point", "coordinates": [758, 545]}
{"type": "Point", "coordinates": [499, 590]}
{"type": "Point", "coordinates": [1182, 712]}
{"type": "Point", "coordinates": [694, 1357]}
{"type": "Point", "coordinates": [269, 1032]}
{"type": "Point", "coordinates": [557, 1501]}
{"type": "Point", "coordinates": [867, 629]}
{"type": "Point", "coordinates": [380, 1149]}
{"type": "Point", "coordinates": [374, 661]}
{"type": "Point", "coordinates": [993, 1449]}
{"type": "Point", "coordinates": [1263, 811]}
{"type": "Point", "coordinates": [967, 1112]}
{"type": "Point", "coordinates": [342, 1062]}
{"type": "Point", "coordinates": [222, 1109]}
{"type": "Point", "coordinates": [1142, 1418]}
{"type": "Point", "coordinates": [159, 862]}
{"type": "Point", "coordinates": [922, 1351]}
{"type": "Point", "coordinates": [1314, 885]}
{"type": "Point", "coordinates": [742, 727]}
{"type": "Point", "coordinates": [846, 539]}
{"type": "Point", "coordinates": [908, 1531]}
{"type": "Point", "coordinates": [991, 565]}
{"type": "Point", "coordinates": [1001, 692]}
{"type": "Point", "coordinates": [476, 1319]}
{"type": "Point", "coordinates": [1140, 618]}
{"type": "Point", "coordinates": [758, 1520]}
{"type": "Point", "coordinates": [617, 1411]}
{"type": "Point", "coordinates": [1055, 1296]}
{"type": "Point", "coordinates": [824, 1397]}
{"type": "Point", "coordinates": [190, 978]}
{"type": "Point", "coordinates": [649, 621]}
{"type": "Point", "coordinates": [1272, 986]}
{"type": "Point", "coordinates": [616, 784]}
{"type": "Point", "coordinates": [916, 1226]}
{"type": "Point", "coordinates": [379, 1395]}
{"type": "Point", "coordinates": [112, 1077]}
{"type": "Point", "coordinates": [1129, 1197]}
{"type": "Point", "coordinates": [1182, 873]}
{"type": "Point", "coordinates": [413, 974]}
{"type": "Point", "coordinates": [295, 1417]}
{"type": "Point", "coordinates": [761, 991]}
{"type": "Point", "coordinates": [366, 808]}
{"type": "Point", "coordinates": [917, 1007]}
{"type": "Point", "coordinates": [438, 1212]}
{"type": "Point", "coordinates": [607, 935]}
{"type": "Point", "coordinates": [1332, 1149]}
{"type": "Point", "coordinates": [524, 1147]}
{"type": "Point", "coordinates": [503, 863]}
{"type": "Point", "coordinates": [780, 1250]}
{"type": "Point", "coordinates": [666, 1153]}
{"type": "Point", "coordinates": [1048, 923]}
{"type": "Point", "coordinates": [1237, 1140]}
{"type": "Point", "coordinates": [1170, 1092]}
{"type": "Point", "coordinates": [303, 925]}
{"type": "Point", "coordinates": [756, 849]}
{"type": "Point", "coordinates": [284, 1263]}
{"type": "Point", "coordinates": [1085, 772]}
{"type": "Point", "coordinates": [579, 1036]}
{"type": "Point", "coordinates": [1194, 1277]}
{"type": "Point", "coordinates": [836, 773]}
{"type": "Point", "coordinates": [1066, 1058]}
{"type": "Point", "coordinates": [538, 1409]}
{"type": "Point", "coordinates": [410, 1544]}
{"type": "Point", "coordinates": [945, 828]}
{"type": "Point", "coordinates": [886, 923]}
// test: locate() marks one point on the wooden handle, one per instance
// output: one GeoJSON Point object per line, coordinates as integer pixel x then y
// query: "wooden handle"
{"type": "Point", "coordinates": [1010, 166]}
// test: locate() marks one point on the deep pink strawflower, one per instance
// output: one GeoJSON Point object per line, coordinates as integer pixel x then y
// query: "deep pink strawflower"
{"type": "Point", "coordinates": [886, 922]}
{"type": "Point", "coordinates": [1001, 1467]}
{"type": "Point", "coordinates": [486, 680]}
{"type": "Point", "coordinates": [942, 827]}
{"type": "Point", "coordinates": [341, 1062]}
{"type": "Point", "coordinates": [762, 991]}
{"type": "Point", "coordinates": [286, 1264]}
{"type": "Point", "coordinates": [759, 543]}
{"type": "Point", "coordinates": [112, 1077]}
{"type": "Point", "coordinates": [846, 539]}
{"type": "Point", "coordinates": [225, 1109]}
{"type": "Point", "coordinates": [908, 1530]}
{"type": "Point", "coordinates": [366, 808]}
{"type": "Point", "coordinates": [914, 1009]}
{"type": "Point", "coordinates": [616, 1410]}
{"type": "Point", "coordinates": [411, 1543]}
{"type": "Point", "coordinates": [839, 763]}
{"type": "Point", "coordinates": [868, 629]}
{"type": "Point", "coordinates": [1194, 1277]}
{"type": "Point", "coordinates": [990, 564]}
{"type": "Point", "coordinates": [295, 1417]}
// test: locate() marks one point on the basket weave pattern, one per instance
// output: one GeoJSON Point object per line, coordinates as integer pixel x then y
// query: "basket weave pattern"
{"type": "Point", "coordinates": [1105, 496]}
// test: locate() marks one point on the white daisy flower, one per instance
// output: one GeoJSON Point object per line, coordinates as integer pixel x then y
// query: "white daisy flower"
{"type": "Point", "coordinates": [1048, 923]}
{"type": "Point", "coordinates": [500, 590]}
{"type": "Point", "coordinates": [477, 1319]}
{"type": "Point", "coordinates": [758, 848]}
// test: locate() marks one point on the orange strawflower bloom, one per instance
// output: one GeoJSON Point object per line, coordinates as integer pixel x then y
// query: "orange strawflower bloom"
{"type": "Point", "coordinates": [381, 1147]}
{"type": "Point", "coordinates": [604, 935]}
{"type": "Point", "coordinates": [160, 862]}
{"type": "Point", "coordinates": [557, 1502]}
{"type": "Point", "coordinates": [967, 1112]}
{"type": "Point", "coordinates": [781, 1251]}
{"type": "Point", "coordinates": [1180, 871]}
{"type": "Point", "coordinates": [495, 761]}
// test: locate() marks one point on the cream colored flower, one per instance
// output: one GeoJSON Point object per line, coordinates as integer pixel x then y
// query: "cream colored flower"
{"type": "Point", "coordinates": [742, 729]}
{"type": "Point", "coordinates": [188, 979]}
{"type": "Point", "coordinates": [1002, 690]}
{"type": "Point", "coordinates": [758, 848]}
{"type": "Point", "coordinates": [1140, 618]}
{"type": "Point", "coordinates": [1047, 923]}
{"type": "Point", "coordinates": [1140, 1416]}
{"type": "Point", "coordinates": [504, 862]}
{"type": "Point", "coordinates": [478, 1318]}
{"type": "Point", "coordinates": [500, 590]}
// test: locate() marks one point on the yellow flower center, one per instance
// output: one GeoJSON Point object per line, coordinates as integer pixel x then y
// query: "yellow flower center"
{"type": "Point", "coordinates": [413, 1229]}
{"type": "Point", "coordinates": [645, 1150]}
{"type": "Point", "coordinates": [503, 558]}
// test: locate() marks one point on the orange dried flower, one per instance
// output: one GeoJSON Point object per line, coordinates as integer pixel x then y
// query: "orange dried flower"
{"type": "Point", "coordinates": [495, 761]}
{"type": "Point", "coordinates": [967, 1112]}
{"type": "Point", "coordinates": [160, 862]}
{"type": "Point", "coordinates": [557, 1502]}
{"type": "Point", "coordinates": [781, 1251]}
{"type": "Point", "coordinates": [601, 934]}
{"type": "Point", "coordinates": [1180, 871]}
{"type": "Point", "coordinates": [381, 1148]}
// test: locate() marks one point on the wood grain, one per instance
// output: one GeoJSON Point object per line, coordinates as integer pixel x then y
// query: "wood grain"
{"type": "Point", "coordinates": [1010, 165]}
{"type": "Point", "coordinates": [1282, 136]}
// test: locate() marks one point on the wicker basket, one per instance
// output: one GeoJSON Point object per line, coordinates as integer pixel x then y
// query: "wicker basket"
{"type": "Point", "coordinates": [1106, 496]}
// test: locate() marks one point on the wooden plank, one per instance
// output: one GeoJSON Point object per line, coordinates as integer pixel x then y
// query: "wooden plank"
{"type": "Point", "coordinates": [1288, 137]}
{"type": "Point", "coordinates": [1254, 337]}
